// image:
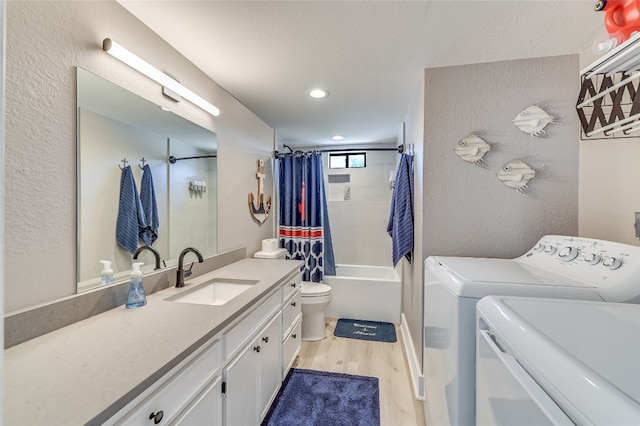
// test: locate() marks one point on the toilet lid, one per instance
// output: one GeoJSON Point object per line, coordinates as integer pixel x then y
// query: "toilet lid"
{"type": "Point", "coordinates": [315, 289]}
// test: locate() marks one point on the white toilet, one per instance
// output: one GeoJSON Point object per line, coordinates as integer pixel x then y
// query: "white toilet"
{"type": "Point", "coordinates": [314, 299]}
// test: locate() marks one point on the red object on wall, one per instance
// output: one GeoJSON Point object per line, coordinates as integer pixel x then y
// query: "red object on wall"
{"type": "Point", "coordinates": [622, 17]}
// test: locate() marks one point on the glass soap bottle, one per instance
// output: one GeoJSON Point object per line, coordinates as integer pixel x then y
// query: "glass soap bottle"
{"type": "Point", "coordinates": [136, 296]}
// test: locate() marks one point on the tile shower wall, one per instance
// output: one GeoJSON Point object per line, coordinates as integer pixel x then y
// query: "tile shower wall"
{"type": "Point", "coordinates": [359, 224]}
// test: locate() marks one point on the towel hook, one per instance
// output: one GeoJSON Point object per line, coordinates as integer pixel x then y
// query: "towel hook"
{"type": "Point", "coordinates": [124, 164]}
{"type": "Point", "coordinates": [144, 163]}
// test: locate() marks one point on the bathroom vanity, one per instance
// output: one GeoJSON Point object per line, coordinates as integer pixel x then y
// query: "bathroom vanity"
{"type": "Point", "coordinates": [169, 362]}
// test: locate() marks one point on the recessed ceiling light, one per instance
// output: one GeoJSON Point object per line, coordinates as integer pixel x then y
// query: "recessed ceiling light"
{"type": "Point", "coordinates": [318, 93]}
{"type": "Point", "coordinates": [337, 137]}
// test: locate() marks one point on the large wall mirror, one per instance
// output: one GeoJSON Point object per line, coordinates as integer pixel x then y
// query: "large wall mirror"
{"type": "Point", "coordinates": [115, 125]}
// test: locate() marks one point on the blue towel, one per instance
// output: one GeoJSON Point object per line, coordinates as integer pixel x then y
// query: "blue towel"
{"type": "Point", "coordinates": [130, 213]}
{"type": "Point", "coordinates": [149, 234]}
{"type": "Point", "coordinates": [400, 226]}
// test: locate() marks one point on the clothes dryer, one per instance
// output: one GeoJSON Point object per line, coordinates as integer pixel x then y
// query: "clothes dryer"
{"type": "Point", "coordinates": [557, 362]}
{"type": "Point", "coordinates": [560, 267]}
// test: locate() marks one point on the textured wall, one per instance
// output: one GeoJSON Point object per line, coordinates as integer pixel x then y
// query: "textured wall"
{"type": "Point", "coordinates": [46, 41]}
{"type": "Point", "coordinates": [463, 210]}
{"type": "Point", "coordinates": [467, 210]}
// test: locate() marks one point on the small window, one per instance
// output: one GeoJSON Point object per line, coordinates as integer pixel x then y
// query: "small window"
{"type": "Point", "coordinates": [348, 160]}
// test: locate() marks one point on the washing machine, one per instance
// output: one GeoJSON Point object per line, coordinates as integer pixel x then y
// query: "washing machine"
{"type": "Point", "coordinates": [559, 267]}
{"type": "Point", "coordinates": [557, 362]}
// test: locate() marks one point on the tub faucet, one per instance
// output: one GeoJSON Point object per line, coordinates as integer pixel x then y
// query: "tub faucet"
{"type": "Point", "coordinates": [152, 250]}
{"type": "Point", "coordinates": [181, 273]}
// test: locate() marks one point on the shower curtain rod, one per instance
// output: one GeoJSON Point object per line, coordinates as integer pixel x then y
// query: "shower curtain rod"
{"type": "Point", "coordinates": [173, 159]}
{"type": "Point", "coordinates": [400, 150]}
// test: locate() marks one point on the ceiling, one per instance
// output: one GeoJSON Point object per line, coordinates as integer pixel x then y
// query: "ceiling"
{"type": "Point", "coordinates": [370, 55]}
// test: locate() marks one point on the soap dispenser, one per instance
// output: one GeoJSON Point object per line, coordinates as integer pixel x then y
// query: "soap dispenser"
{"type": "Point", "coordinates": [136, 296]}
{"type": "Point", "coordinates": [106, 276]}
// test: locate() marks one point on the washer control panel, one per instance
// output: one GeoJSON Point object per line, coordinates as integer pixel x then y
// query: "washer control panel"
{"type": "Point", "coordinates": [592, 252]}
{"type": "Point", "coordinates": [607, 265]}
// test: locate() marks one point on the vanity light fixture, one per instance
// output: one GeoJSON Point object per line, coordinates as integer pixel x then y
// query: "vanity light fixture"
{"type": "Point", "coordinates": [318, 93]}
{"type": "Point", "coordinates": [140, 65]}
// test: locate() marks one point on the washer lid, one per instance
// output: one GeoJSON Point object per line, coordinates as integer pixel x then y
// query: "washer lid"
{"type": "Point", "coordinates": [584, 354]}
{"type": "Point", "coordinates": [315, 289]}
{"type": "Point", "coordinates": [479, 277]}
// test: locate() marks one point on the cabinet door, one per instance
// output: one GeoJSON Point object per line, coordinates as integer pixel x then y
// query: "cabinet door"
{"type": "Point", "coordinates": [241, 396]}
{"type": "Point", "coordinates": [206, 408]}
{"type": "Point", "coordinates": [270, 363]}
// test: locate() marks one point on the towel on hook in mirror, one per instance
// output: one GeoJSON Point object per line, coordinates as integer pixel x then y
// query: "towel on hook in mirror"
{"type": "Point", "coordinates": [130, 213]}
{"type": "Point", "coordinates": [149, 234]}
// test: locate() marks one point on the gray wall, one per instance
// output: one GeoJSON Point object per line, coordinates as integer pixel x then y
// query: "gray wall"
{"type": "Point", "coordinates": [466, 210]}
{"type": "Point", "coordinates": [46, 41]}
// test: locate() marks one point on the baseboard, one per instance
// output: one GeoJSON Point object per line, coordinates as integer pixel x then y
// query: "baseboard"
{"type": "Point", "coordinates": [415, 371]}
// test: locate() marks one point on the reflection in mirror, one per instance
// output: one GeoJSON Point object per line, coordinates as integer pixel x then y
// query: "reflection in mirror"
{"type": "Point", "coordinates": [116, 125]}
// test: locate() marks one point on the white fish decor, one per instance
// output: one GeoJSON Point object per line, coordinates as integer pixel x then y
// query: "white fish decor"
{"type": "Point", "coordinates": [534, 119]}
{"type": "Point", "coordinates": [516, 174]}
{"type": "Point", "coordinates": [473, 149]}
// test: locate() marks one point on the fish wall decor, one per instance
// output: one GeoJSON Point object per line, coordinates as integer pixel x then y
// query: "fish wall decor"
{"type": "Point", "coordinates": [473, 149]}
{"type": "Point", "coordinates": [534, 119]}
{"type": "Point", "coordinates": [516, 174]}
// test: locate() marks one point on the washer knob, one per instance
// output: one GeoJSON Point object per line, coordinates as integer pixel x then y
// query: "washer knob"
{"type": "Point", "coordinates": [593, 259]}
{"type": "Point", "coordinates": [567, 254]}
{"type": "Point", "coordinates": [550, 250]}
{"type": "Point", "coordinates": [612, 263]}
{"type": "Point", "coordinates": [538, 247]}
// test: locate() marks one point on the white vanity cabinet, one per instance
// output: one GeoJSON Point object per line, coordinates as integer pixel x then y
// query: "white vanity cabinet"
{"type": "Point", "coordinates": [291, 325]}
{"type": "Point", "coordinates": [189, 394]}
{"type": "Point", "coordinates": [233, 379]}
{"type": "Point", "coordinates": [253, 377]}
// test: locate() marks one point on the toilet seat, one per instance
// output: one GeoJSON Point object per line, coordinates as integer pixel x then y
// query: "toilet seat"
{"type": "Point", "coordinates": [314, 290]}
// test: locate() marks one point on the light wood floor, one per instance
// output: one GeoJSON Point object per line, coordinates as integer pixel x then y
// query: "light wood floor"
{"type": "Point", "coordinates": [386, 361]}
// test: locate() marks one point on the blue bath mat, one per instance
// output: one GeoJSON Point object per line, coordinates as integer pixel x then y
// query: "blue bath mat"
{"type": "Point", "coordinates": [320, 398]}
{"type": "Point", "coordinates": [366, 330]}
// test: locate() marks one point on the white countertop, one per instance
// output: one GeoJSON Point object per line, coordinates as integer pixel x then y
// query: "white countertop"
{"type": "Point", "coordinates": [86, 372]}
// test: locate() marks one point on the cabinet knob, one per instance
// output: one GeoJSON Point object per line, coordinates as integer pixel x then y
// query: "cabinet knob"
{"type": "Point", "coordinates": [293, 335]}
{"type": "Point", "coordinates": [293, 285]}
{"type": "Point", "coordinates": [265, 339]}
{"type": "Point", "coordinates": [293, 304]}
{"type": "Point", "coordinates": [156, 417]}
{"type": "Point", "coordinates": [256, 348]}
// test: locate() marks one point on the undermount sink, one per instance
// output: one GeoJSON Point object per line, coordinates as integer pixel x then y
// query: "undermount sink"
{"type": "Point", "coordinates": [216, 291]}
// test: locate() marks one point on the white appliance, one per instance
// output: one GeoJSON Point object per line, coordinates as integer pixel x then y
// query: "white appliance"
{"type": "Point", "coordinates": [557, 362]}
{"type": "Point", "coordinates": [559, 267]}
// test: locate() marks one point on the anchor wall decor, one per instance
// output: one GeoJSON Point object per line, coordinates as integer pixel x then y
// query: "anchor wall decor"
{"type": "Point", "coordinates": [261, 212]}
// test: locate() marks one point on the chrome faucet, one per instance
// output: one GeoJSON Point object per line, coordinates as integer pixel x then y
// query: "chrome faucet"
{"type": "Point", "coordinates": [152, 250]}
{"type": "Point", "coordinates": [181, 273]}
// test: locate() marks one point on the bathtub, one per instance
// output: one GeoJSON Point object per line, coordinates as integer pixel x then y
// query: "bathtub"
{"type": "Point", "coordinates": [365, 292]}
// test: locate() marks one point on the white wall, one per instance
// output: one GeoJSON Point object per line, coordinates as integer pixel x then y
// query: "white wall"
{"type": "Point", "coordinates": [46, 41]}
{"type": "Point", "coordinates": [104, 142]}
{"type": "Point", "coordinates": [610, 189]}
{"type": "Point", "coordinates": [359, 225]}
{"type": "Point", "coordinates": [412, 273]}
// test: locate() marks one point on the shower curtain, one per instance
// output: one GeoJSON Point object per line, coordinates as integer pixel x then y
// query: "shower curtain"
{"type": "Point", "coordinates": [304, 221]}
